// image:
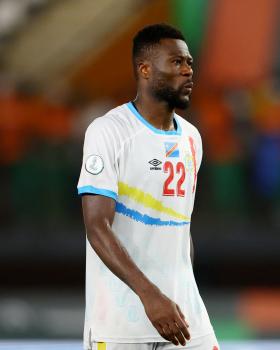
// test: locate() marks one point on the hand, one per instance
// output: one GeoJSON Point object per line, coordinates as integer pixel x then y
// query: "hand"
{"type": "Point", "coordinates": [166, 317]}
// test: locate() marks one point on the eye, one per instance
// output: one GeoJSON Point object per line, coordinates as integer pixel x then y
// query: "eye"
{"type": "Point", "coordinates": [189, 61]}
{"type": "Point", "coordinates": [178, 61]}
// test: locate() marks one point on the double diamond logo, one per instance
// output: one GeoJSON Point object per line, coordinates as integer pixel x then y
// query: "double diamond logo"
{"type": "Point", "coordinates": [155, 162]}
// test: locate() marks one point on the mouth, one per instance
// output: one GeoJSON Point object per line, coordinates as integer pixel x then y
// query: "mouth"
{"type": "Point", "coordinates": [189, 84]}
{"type": "Point", "coordinates": [187, 87]}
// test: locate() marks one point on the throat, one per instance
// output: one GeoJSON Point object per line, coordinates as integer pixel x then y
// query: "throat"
{"type": "Point", "coordinates": [170, 125]}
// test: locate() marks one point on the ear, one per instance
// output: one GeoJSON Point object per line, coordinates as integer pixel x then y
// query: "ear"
{"type": "Point", "coordinates": [144, 69]}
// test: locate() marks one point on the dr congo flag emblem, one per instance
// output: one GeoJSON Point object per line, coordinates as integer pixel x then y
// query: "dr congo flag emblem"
{"type": "Point", "coordinates": [171, 149]}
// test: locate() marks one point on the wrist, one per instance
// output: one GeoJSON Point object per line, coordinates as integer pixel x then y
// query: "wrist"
{"type": "Point", "coordinates": [146, 289]}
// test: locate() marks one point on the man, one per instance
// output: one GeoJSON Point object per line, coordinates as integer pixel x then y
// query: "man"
{"type": "Point", "coordinates": [138, 182]}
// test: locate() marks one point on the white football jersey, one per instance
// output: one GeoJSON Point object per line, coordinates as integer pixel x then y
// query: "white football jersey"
{"type": "Point", "coordinates": [151, 174]}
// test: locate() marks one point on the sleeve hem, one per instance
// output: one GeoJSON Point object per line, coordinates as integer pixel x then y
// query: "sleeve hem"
{"type": "Point", "coordinates": [94, 190]}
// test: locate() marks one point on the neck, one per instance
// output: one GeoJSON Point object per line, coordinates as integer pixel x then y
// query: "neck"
{"type": "Point", "coordinates": [157, 113]}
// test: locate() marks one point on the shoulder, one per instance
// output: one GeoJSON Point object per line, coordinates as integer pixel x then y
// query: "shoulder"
{"type": "Point", "coordinates": [189, 128]}
{"type": "Point", "coordinates": [112, 130]}
{"type": "Point", "coordinates": [115, 122]}
{"type": "Point", "coordinates": [191, 131]}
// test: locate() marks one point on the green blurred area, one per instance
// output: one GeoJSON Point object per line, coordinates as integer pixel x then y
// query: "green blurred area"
{"type": "Point", "coordinates": [191, 17]}
{"type": "Point", "coordinates": [230, 329]}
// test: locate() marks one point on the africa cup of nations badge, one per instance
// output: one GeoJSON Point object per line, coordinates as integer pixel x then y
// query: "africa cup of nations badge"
{"type": "Point", "coordinates": [94, 164]}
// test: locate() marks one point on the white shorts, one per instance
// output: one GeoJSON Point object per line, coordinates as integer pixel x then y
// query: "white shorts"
{"type": "Point", "coordinates": [207, 342]}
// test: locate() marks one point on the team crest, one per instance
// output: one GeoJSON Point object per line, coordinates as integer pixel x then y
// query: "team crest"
{"type": "Point", "coordinates": [94, 164]}
{"type": "Point", "coordinates": [171, 149]}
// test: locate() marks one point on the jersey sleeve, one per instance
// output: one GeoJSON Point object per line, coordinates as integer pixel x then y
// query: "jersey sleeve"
{"type": "Point", "coordinates": [99, 168]}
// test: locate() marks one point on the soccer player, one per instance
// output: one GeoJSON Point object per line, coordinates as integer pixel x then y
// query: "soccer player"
{"type": "Point", "coordinates": [138, 182]}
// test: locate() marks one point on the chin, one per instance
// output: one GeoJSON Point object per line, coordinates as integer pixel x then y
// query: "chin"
{"type": "Point", "coordinates": [183, 103]}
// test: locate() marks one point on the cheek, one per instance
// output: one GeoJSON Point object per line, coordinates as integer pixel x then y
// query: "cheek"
{"type": "Point", "coordinates": [159, 80]}
{"type": "Point", "coordinates": [163, 72]}
{"type": "Point", "coordinates": [165, 78]}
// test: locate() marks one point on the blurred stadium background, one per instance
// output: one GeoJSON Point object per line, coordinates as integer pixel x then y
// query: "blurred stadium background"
{"type": "Point", "coordinates": [65, 62]}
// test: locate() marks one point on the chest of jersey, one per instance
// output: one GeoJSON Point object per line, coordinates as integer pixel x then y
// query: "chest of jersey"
{"type": "Point", "coordinates": [162, 167]}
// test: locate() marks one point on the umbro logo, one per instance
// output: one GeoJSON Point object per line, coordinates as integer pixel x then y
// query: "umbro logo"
{"type": "Point", "coordinates": [155, 164]}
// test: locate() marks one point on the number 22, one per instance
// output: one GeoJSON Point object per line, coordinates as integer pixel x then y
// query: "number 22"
{"type": "Point", "coordinates": [180, 169]}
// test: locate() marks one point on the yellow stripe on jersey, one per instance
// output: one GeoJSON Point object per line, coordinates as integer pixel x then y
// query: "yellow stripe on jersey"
{"type": "Point", "coordinates": [147, 200]}
{"type": "Point", "coordinates": [101, 346]}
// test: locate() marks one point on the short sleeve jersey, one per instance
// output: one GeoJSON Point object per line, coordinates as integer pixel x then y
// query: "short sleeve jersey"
{"type": "Point", "coordinates": [151, 174]}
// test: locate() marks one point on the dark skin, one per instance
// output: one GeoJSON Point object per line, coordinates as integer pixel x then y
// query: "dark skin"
{"type": "Point", "coordinates": [169, 66]}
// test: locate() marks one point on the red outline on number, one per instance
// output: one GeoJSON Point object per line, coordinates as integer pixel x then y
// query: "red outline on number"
{"type": "Point", "coordinates": [168, 191]}
{"type": "Point", "coordinates": [180, 166]}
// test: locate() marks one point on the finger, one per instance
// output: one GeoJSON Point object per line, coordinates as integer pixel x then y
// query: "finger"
{"type": "Point", "coordinates": [169, 334]}
{"type": "Point", "coordinates": [181, 314]}
{"type": "Point", "coordinates": [163, 335]}
{"type": "Point", "coordinates": [182, 317]}
{"type": "Point", "coordinates": [161, 331]}
{"type": "Point", "coordinates": [183, 328]}
{"type": "Point", "coordinates": [178, 334]}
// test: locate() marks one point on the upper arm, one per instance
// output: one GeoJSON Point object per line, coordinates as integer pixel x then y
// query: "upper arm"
{"type": "Point", "coordinates": [98, 211]}
{"type": "Point", "coordinates": [98, 182]}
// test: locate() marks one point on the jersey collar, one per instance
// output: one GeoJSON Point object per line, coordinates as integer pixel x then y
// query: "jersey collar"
{"type": "Point", "coordinates": [151, 127]}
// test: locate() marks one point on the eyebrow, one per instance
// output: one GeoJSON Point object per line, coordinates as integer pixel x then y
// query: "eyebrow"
{"type": "Point", "coordinates": [188, 57]}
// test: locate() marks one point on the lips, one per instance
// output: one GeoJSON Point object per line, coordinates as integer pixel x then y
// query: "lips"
{"type": "Point", "coordinates": [187, 87]}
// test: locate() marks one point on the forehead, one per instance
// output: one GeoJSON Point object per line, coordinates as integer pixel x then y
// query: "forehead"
{"type": "Point", "coordinates": [173, 47]}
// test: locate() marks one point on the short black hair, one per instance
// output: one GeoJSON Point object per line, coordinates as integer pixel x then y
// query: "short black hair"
{"type": "Point", "coordinates": [149, 37]}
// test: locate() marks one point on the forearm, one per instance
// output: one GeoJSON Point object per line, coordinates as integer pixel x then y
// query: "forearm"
{"type": "Point", "coordinates": [113, 254]}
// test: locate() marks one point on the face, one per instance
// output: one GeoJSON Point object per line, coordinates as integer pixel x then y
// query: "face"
{"type": "Point", "coordinates": [170, 73]}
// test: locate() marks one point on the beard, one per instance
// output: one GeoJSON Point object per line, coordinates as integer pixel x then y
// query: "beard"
{"type": "Point", "coordinates": [173, 97]}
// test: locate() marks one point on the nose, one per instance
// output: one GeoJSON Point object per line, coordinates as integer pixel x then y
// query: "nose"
{"type": "Point", "coordinates": [187, 70]}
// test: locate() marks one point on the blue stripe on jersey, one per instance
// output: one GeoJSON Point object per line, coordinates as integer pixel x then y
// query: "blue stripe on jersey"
{"type": "Point", "coordinates": [94, 190]}
{"type": "Point", "coordinates": [146, 219]}
{"type": "Point", "coordinates": [157, 131]}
